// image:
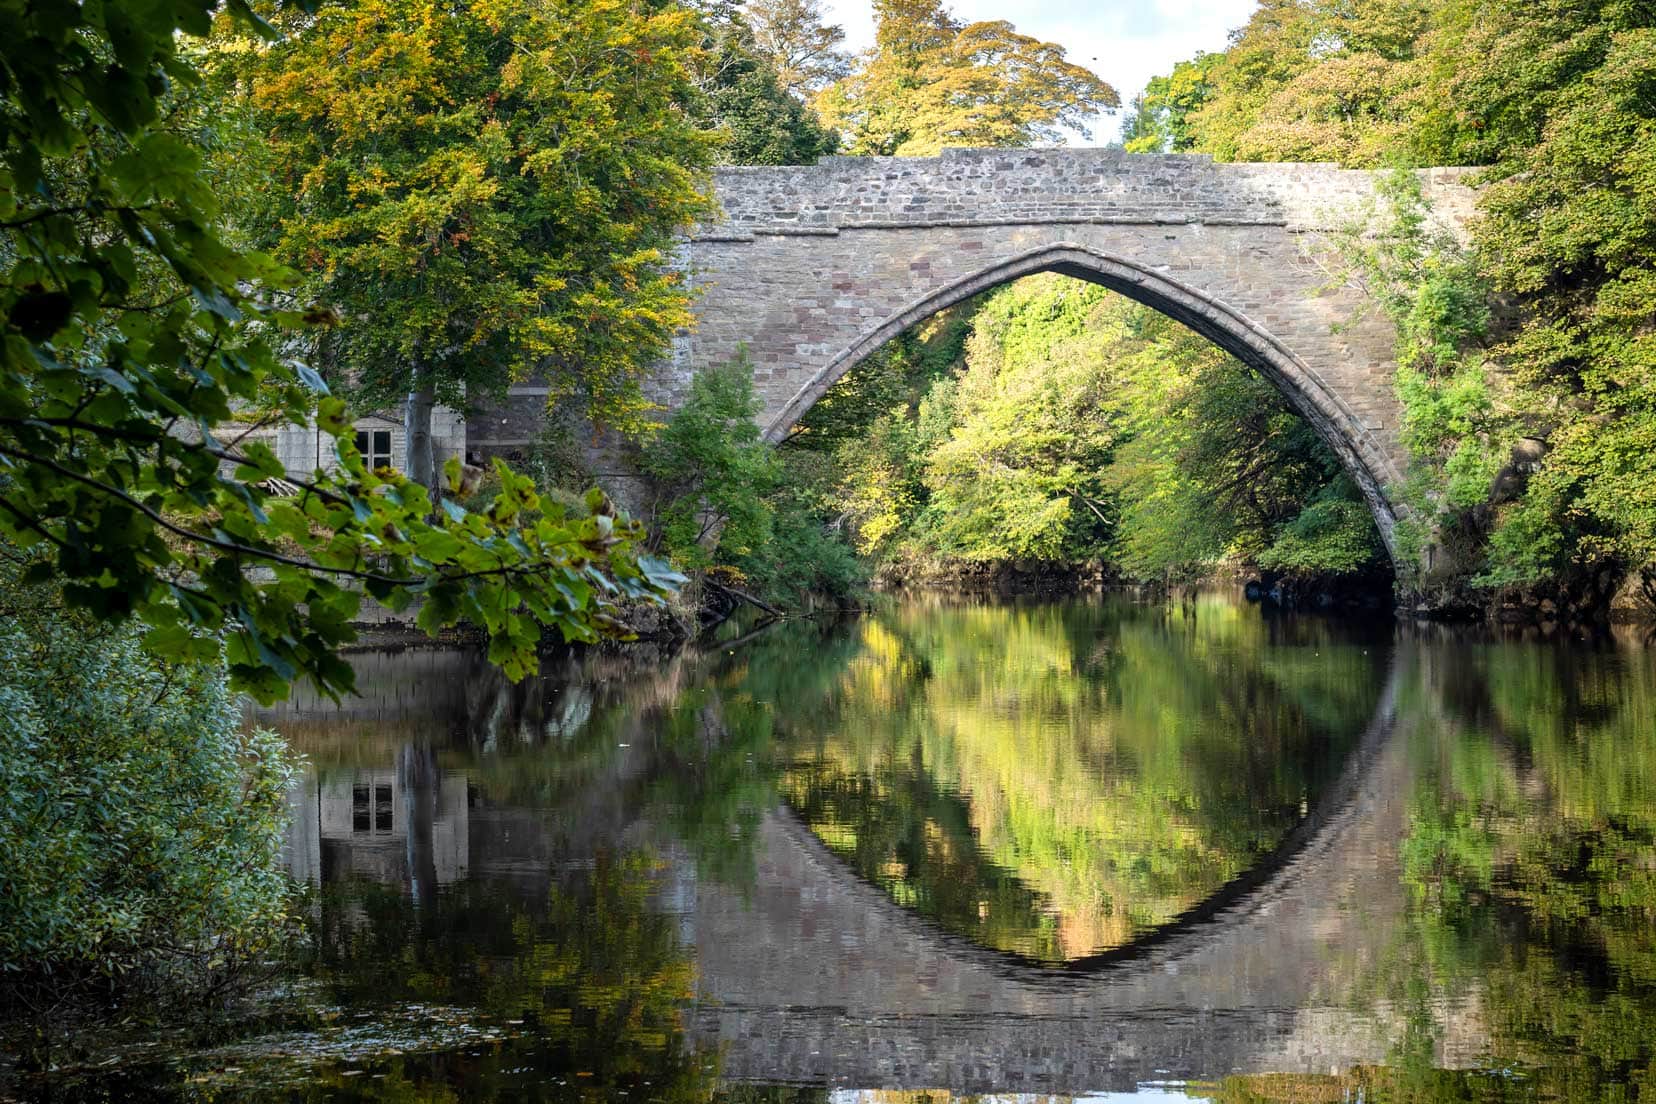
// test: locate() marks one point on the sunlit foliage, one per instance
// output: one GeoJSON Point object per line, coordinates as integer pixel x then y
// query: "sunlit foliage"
{"type": "Point", "coordinates": [473, 212]}
{"type": "Point", "coordinates": [1554, 99]}
{"type": "Point", "coordinates": [1058, 780]}
{"type": "Point", "coordinates": [931, 81]}
{"type": "Point", "coordinates": [1074, 426]}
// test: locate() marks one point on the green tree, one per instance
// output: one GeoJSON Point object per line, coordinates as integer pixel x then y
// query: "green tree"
{"type": "Point", "coordinates": [726, 499]}
{"type": "Point", "coordinates": [1553, 98]}
{"type": "Point", "coordinates": [1054, 420]}
{"type": "Point", "coordinates": [1019, 474]}
{"type": "Point", "coordinates": [1570, 232]}
{"type": "Point", "coordinates": [476, 214]}
{"type": "Point", "coordinates": [138, 336]}
{"type": "Point", "coordinates": [805, 50]}
{"type": "Point", "coordinates": [1308, 80]}
{"type": "Point", "coordinates": [1159, 121]}
{"type": "Point", "coordinates": [931, 81]}
{"type": "Point", "coordinates": [711, 469]}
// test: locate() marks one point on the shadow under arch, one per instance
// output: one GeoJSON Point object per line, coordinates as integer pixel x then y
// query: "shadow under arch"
{"type": "Point", "coordinates": [1239, 902]}
{"type": "Point", "coordinates": [1340, 428]}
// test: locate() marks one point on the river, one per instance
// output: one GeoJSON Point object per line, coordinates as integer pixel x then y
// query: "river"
{"type": "Point", "coordinates": [1196, 850]}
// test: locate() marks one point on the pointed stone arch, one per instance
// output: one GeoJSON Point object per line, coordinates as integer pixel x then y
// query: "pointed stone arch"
{"type": "Point", "coordinates": [1360, 453]}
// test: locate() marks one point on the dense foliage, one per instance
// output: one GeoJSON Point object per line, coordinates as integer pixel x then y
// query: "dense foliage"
{"type": "Point", "coordinates": [744, 97]}
{"type": "Point", "coordinates": [1053, 420]}
{"type": "Point", "coordinates": [139, 346]}
{"type": "Point", "coordinates": [141, 826]}
{"type": "Point", "coordinates": [476, 214]}
{"type": "Point", "coordinates": [1554, 99]}
{"type": "Point", "coordinates": [804, 50]}
{"type": "Point", "coordinates": [944, 766]}
{"type": "Point", "coordinates": [724, 500]}
{"type": "Point", "coordinates": [710, 470]}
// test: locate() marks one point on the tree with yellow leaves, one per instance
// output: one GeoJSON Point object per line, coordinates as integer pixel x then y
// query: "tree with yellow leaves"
{"type": "Point", "coordinates": [931, 81]}
{"type": "Point", "coordinates": [487, 189]}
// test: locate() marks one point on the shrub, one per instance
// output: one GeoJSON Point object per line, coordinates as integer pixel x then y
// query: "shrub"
{"type": "Point", "coordinates": [141, 826]}
{"type": "Point", "coordinates": [725, 499]}
{"type": "Point", "coordinates": [711, 468]}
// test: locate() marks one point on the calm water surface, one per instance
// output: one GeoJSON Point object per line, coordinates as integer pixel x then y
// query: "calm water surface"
{"type": "Point", "coordinates": [1069, 849]}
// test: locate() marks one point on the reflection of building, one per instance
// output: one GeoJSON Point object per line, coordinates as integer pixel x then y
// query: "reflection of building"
{"type": "Point", "coordinates": [408, 824]}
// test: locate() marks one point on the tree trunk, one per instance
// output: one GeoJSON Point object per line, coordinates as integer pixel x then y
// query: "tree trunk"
{"type": "Point", "coordinates": [422, 461]}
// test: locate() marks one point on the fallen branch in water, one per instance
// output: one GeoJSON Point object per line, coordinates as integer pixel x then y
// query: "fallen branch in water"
{"type": "Point", "coordinates": [732, 592]}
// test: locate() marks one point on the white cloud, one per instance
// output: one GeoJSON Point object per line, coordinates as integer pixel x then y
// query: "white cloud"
{"type": "Point", "coordinates": [1124, 41]}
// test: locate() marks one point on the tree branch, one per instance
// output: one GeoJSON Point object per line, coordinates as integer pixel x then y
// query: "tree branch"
{"type": "Point", "coordinates": [236, 548]}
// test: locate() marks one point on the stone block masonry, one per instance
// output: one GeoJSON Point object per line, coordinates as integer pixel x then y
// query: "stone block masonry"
{"type": "Point", "coordinates": [813, 268]}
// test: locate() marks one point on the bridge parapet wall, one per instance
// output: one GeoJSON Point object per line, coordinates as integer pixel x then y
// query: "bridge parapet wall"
{"type": "Point", "coordinates": [974, 187]}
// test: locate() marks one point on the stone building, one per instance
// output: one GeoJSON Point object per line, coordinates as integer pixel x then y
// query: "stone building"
{"type": "Point", "coordinates": [380, 438]}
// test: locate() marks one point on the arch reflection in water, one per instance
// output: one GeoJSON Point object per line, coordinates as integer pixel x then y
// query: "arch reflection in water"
{"type": "Point", "coordinates": [1058, 781]}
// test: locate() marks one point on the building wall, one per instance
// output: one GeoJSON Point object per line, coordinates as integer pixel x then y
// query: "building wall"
{"type": "Point", "coordinates": [303, 449]}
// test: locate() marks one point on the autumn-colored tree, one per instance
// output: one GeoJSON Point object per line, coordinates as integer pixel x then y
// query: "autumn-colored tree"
{"type": "Point", "coordinates": [743, 99]}
{"type": "Point", "coordinates": [931, 81]}
{"type": "Point", "coordinates": [486, 190]}
{"type": "Point", "coordinates": [805, 51]}
{"type": "Point", "coordinates": [1306, 80]}
{"type": "Point", "coordinates": [139, 338]}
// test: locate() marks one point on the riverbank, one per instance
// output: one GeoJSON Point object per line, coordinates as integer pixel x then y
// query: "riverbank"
{"type": "Point", "coordinates": [702, 607]}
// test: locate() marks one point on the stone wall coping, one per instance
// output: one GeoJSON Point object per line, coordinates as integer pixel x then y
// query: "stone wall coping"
{"type": "Point", "coordinates": [1051, 186]}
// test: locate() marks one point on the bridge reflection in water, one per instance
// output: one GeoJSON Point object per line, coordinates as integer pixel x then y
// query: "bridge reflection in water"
{"type": "Point", "coordinates": [806, 972]}
{"type": "Point", "coordinates": [814, 976]}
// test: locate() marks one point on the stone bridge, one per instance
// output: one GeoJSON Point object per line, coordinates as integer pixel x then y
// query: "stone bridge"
{"type": "Point", "coordinates": [813, 268]}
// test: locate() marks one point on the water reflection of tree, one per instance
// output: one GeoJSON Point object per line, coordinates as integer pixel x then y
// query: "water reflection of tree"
{"type": "Point", "coordinates": [587, 984]}
{"type": "Point", "coordinates": [1055, 779]}
{"type": "Point", "coordinates": [718, 778]}
{"type": "Point", "coordinates": [1530, 862]}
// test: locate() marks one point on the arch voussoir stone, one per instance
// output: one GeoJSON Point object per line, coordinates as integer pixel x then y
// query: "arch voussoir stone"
{"type": "Point", "coordinates": [814, 268]}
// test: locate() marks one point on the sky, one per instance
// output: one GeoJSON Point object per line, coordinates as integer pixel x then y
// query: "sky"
{"type": "Point", "coordinates": [1124, 41]}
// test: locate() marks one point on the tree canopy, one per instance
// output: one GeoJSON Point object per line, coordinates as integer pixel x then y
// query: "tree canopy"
{"type": "Point", "coordinates": [931, 81]}
{"type": "Point", "coordinates": [1056, 421]}
{"type": "Point", "coordinates": [1554, 100]}
{"type": "Point", "coordinates": [745, 97]}
{"type": "Point", "coordinates": [805, 51]}
{"type": "Point", "coordinates": [475, 213]}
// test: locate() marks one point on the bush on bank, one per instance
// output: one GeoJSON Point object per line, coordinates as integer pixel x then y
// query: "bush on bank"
{"type": "Point", "coordinates": [726, 500]}
{"type": "Point", "coordinates": [141, 826]}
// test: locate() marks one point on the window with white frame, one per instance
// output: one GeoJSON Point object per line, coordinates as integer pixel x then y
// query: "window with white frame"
{"type": "Point", "coordinates": [375, 447]}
